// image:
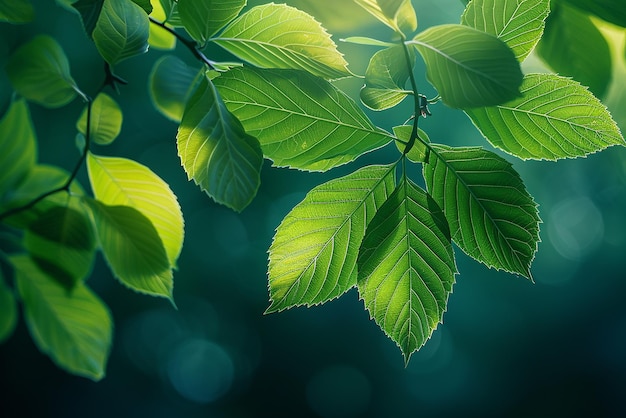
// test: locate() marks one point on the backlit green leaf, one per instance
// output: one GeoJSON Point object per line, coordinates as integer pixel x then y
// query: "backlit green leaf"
{"type": "Point", "coordinates": [89, 11]}
{"type": "Point", "coordinates": [386, 77]}
{"type": "Point", "coordinates": [61, 242]}
{"type": "Point", "coordinates": [74, 328]}
{"type": "Point", "coordinates": [280, 36]}
{"type": "Point", "coordinates": [159, 37]}
{"type": "Point", "coordinates": [203, 19]}
{"type": "Point", "coordinates": [40, 72]}
{"type": "Point", "coordinates": [610, 10]}
{"type": "Point", "coordinates": [133, 249]}
{"type": "Point", "coordinates": [519, 23]}
{"type": "Point", "coordinates": [18, 145]}
{"type": "Point", "coordinates": [121, 31]}
{"type": "Point", "coordinates": [171, 84]}
{"type": "Point", "coordinates": [399, 15]}
{"type": "Point", "coordinates": [119, 181]}
{"type": "Point", "coordinates": [469, 68]}
{"type": "Point", "coordinates": [312, 258]}
{"type": "Point", "coordinates": [301, 121]}
{"type": "Point", "coordinates": [573, 46]}
{"type": "Point", "coordinates": [406, 267]}
{"type": "Point", "coordinates": [419, 151]}
{"type": "Point", "coordinates": [364, 40]}
{"type": "Point", "coordinates": [106, 120]}
{"type": "Point", "coordinates": [16, 11]}
{"type": "Point", "coordinates": [491, 215]}
{"type": "Point", "coordinates": [8, 310]}
{"type": "Point", "coordinates": [555, 118]}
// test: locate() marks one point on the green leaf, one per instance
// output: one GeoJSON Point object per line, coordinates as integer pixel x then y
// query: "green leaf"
{"type": "Point", "coordinates": [280, 36]}
{"type": "Point", "coordinates": [491, 215]}
{"type": "Point", "coordinates": [612, 11]}
{"type": "Point", "coordinates": [469, 68]}
{"type": "Point", "coordinates": [61, 242]}
{"type": "Point", "coordinates": [18, 145]}
{"type": "Point", "coordinates": [301, 121]}
{"type": "Point", "coordinates": [146, 5]}
{"type": "Point", "coordinates": [364, 40]}
{"type": "Point", "coordinates": [89, 11]}
{"type": "Point", "coordinates": [406, 267]}
{"type": "Point", "coordinates": [203, 19]}
{"type": "Point", "coordinates": [159, 37]}
{"type": "Point", "coordinates": [8, 310]}
{"type": "Point", "coordinates": [16, 11]}
{"type": "Point", "coordinates": [74, 328]}
{"type": "Point", "coordinates": [399, 15]}
{"type": "Point", "coordinates": [312, 258]}
{"type": "Point", "coordinates": [171, 83]}
{"type": "Point", "coordinates": [573, 46]}
{"type": "Point", "coordinates": [385, 78]}
{"type": "Point", "coordinates": [119, 181]}
{"type": "Point", "coordinates": [133, 249]}
{"type": "Point", "coordinates": [555, 118]}
{"type": "Point", "coordinates": [216, 151]}
{"type": "Point", "coordinates": [122, 30]}
{"type": "Point", "coordinates": [106, 120]}
{"type": "Point", "coordinates": [40, 72]}
{"type": "Point", "coordinates": [519, 23]}
{"type": "Point", "coordinates": [418, 153]}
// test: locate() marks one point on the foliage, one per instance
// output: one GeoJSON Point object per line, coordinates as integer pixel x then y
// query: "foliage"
{"type": "Point", "coordinates": [374, 229]}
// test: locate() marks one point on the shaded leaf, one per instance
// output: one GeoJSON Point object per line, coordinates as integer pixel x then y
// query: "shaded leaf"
{"type": "Point", "coordinates": [612, 11]}
{"type": "Point", "coordinates": [106, 120]}
{"type": "Point", "coordinates": [386, 77]}
{"type": "Point", "coordinates": [8, 310]}
{"type": "Point", "coordinates": [74, 328]}
{"type": "Point", "coordinates": [555, 118]}
{"type": "Point", "coordinates": [16, 11]}
{"type": "Point", "coordinates": [399, 15]}
{"type": "Point", "coordinates": [40, 72]}
{"type": "Point", "coordinates": [89, 11]}
{"type": "Point", "coordinates": [146, 5]}
{"type": "Point", "coordinates": [280, 36]}
{"type": "Point", "coordinates": [203, 19]}
{"type": "Point", "coordinates": [216, 151]}
{"type": "Point", "coordinates": [171, 83]}
{"type": "Point", "coordinates": [300, 120]}
{"type": "Point", "coordinates": [469, 68]}
{"type": "Point", "coordinates": [406, 267]}
{"type": "Point", "coordinates": [18, 145]}
{"type": "Point", "coordinates": [519, 23]}
{"type": "Point", "coordinates": [312, 258]}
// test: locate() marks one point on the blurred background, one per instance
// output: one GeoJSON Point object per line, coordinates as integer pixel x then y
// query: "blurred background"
{"type": "Point", "coordinates": [507, 348]}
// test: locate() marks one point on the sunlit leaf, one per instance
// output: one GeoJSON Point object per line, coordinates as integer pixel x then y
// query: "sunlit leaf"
{"type": "Point", "coordinates": [61, 242]}
{"type": "Point", "coordinates": [337, 16]}
{"type": "Point", "coordinates": [89, 11]}
{"type": "Point", "coordinates": [280, 36]}
{"type": "Point", "coordinates": [121, 31]}
{"type": "Point", "coordinates": [216, 151]}
{"type": "Point", "coordinates": [159, 37]}
{"type": "Point", "coordinates": [301, 121]}
{"type": "Point", "coordinates": [573, 46]}
{"type": "Point", "coordinates": [469, 68]}
{"type": "Point", "coordinates": [399, 15]}
{"type": "Point", "coordinates": [406, 267]}
{"type": "Point", "coordinates": [119, 181]}
{"type": "Point", "coordinates": [16, 11]}
{"type": "Point", "coordinates": [519, 23]}
{"type": "Point", "coordinates": [106, 120]}
{"type": "Point", "coordinates": [364, 40]}
{"type": "Point", "coordinates": [555, 118]}
{"type": "Point", "coordinates": [171, 83]}
{"type": "Point", "coordinates": [8, 310]}
{"type": "Point", "coordinates": [385, 78]}
{"type": "Point", "coordinates": [74, 328]}
{"type": "Point", "coordinates": [610, 10]}
{"type": "Point", "coordinates": [133, 249]}
{"type": "Point", "coordinates": [18, 145]}
{"type": "Point", "coordinates": [312, 258]}
{"type": "Point", "coordinates": [419, 151]}
{"type": "Point", "coordinates": [491, 215]}
{"type": "Point", "coordinates": [203, 19]}
{"type": "Point", "coordinates": [40, 72]}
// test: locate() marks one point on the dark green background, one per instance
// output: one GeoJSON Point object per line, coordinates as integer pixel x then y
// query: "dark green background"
{"type": "Point", "coordinates": [508, 348]}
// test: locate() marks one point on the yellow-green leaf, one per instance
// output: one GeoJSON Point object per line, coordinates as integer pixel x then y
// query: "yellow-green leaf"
{"type": "Point", "coordinates": [105, 122]}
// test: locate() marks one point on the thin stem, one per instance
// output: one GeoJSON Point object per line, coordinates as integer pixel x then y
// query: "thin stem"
{"type": "Point", "coordinates": [416, 98]}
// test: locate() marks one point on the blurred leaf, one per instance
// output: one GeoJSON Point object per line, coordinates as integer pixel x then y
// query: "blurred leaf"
{"type": "Point", "coordinates": [16, 11]}
{"type": "Point", "coordinates": [146, 5]}
{"type": "Point", "coordinates": [386, 77]}
{"type": "Point", "coordinates": [418, 152]}
{"type": "Point", "coordinates": [171, 83]}
{"type": "Point", "coordinates": [279, 36]}
{"type": "Point", "coordinates": [469, 68]}
{"type": "Point", "coordinates": [122, 30]}
{"type": "Point", "coordinates": [133, 249]}
{"type": "Point", "coordinates": [203, 19]}
{"type": "Point", "coordinates": [573, 46]}
{"type": "Point", "coordinates": [301, 121]}
{"type": "Point", "coordinates": [555, 118]}
{"type": "Point", "coordinates": [40, 72]}
{"type": "Point", "coordinates": [519, 23]}
{"type": "Point", "coordinates": [364, 40]}
{"type": "Point", "coordinates": [89, 11]}
{"type": "Point", "coordinates": [406, 267]}
{"type": "Point", "coordinates": [312, 258]}
{"type": "Point", "coordinates": [171, 11]}
{"type": "Point", "coordinates": [119, 181]}
{"type": "Point", "coordinates": [399, 15]}
{"type": "Point", "coordinates": [74, 328]}
{"type": "Point", "coordinates": [491, 215]}
{"type": "Point", "coordinates": [337, 16]}
{"type": "Point", "coordinates": [18, 145]}
{"type": "Point", "coordinates": [8, 310]}
{"type": "Point", "coordinates": [216, 152]}
{"type": "Point", "coordinates": [106, 120]}
{"type": "Point", "coordinates": [612, 11]}
{"type": "Point", "coordinates": [160, 38]}
{"type": "Point", "coordinates": [61, 242]}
